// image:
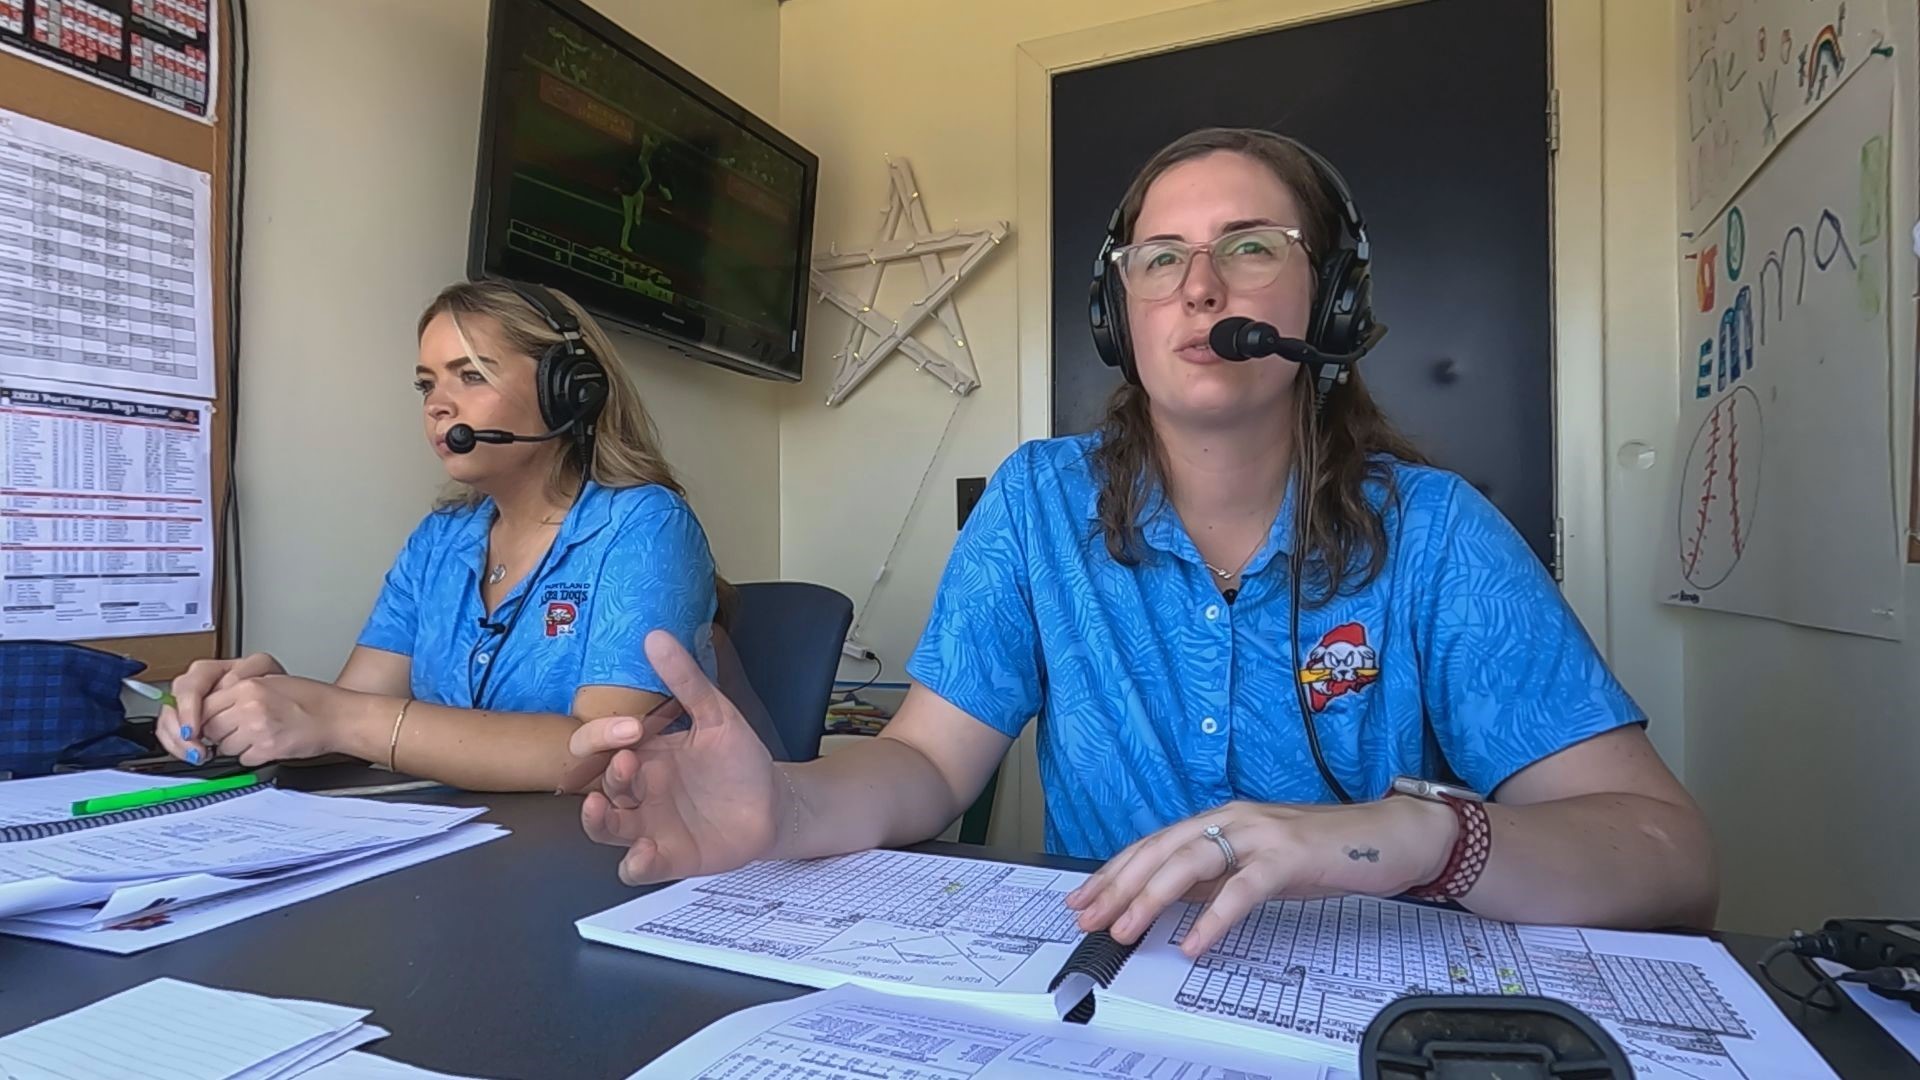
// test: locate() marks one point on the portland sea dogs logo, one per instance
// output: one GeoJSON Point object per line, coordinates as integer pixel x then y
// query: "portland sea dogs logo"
{"type": "Point", "coordinates": [564, 600]}
{"type": "Point", "coordinates": [1343, 663]}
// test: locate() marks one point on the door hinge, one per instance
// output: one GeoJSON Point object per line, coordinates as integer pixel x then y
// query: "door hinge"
{"type": "Point", "coordinates": [1553, 121]}
{"type": "Point", "coordinates": [1559, 549]}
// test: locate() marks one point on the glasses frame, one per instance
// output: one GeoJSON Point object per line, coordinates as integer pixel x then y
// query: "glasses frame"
{"type": "Point", "coordinates": [1295, 237]}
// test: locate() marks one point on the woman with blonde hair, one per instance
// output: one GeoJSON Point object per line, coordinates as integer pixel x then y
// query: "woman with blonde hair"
{"type": "Point", "coordinates": [519, 606]}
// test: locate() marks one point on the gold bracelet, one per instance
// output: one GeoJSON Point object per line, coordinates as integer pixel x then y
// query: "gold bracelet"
{"type": "Point", "coordinates": [393, 744]}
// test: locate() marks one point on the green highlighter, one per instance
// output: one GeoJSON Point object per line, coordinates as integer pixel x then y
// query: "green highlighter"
{"type": "Point", "coordinates": [135, 799]}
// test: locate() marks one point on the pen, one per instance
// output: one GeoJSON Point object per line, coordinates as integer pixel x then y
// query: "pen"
{"type": "Point", "coordinates": [133, 799]}
{"type": "Point", "coordinates": [150, 692]}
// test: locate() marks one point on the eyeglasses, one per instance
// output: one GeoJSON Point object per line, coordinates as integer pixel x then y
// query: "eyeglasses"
{"type": "Point", "coordinates": [1245, 259]}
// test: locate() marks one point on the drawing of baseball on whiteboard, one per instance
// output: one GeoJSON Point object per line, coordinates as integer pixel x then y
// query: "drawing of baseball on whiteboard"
{"type": "Point", "coordinates": [1784, 504]}
{"type": "Point", "coordinates": [1755, 70]}
{"type": "Point", "coordinates": [1720, 497]}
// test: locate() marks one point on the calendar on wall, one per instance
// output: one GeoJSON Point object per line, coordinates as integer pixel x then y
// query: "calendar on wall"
{"type": "Point", "coordinates": [161, 51]}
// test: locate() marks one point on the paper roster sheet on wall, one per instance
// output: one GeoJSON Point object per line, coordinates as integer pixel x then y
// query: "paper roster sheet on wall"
{"type": "Point", "coordinates": [105, 523]}
{"type": "Point", "coordinates": [106, 376]}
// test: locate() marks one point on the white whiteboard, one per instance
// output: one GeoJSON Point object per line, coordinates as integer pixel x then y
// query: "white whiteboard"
{"type": "Point", "coordinates": [1784, 504]}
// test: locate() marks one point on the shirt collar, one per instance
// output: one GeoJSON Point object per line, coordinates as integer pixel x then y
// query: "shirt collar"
{"type": "Point", "coordinates": [1162, 529]}
{"type": "Point", "coordinates": [590, 512]}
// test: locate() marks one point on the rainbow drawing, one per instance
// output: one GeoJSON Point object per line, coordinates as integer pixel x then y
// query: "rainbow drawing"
{"type": "Point", "coordinates": [1824, 61]}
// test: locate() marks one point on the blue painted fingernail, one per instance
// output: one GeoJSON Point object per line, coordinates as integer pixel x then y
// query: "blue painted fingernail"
{"type": "Point", "coordinates": [186, 732]}
{"type": "Point", "coordinates": [193, 757]}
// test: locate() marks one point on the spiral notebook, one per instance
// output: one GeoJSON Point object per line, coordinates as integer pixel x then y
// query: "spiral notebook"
{"type": "Point", "coordinates": [1301, 978]}
{"type": "Point", "coordinates": [58, 818]}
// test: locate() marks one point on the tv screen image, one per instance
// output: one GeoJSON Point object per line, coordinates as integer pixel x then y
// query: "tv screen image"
{"type": "Point", "coordinates": [608, 172]}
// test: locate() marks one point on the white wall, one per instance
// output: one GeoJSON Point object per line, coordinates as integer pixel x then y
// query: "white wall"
{"type": "Point", "coordinates": [1804, 746]}
{"type": "Point", "coordinates": [358, 196]}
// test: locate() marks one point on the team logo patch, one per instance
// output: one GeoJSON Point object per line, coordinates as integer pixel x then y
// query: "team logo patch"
{"type": "Point", "coordinates": [1343, 663]}
{"type": "Point", "coordinates": [564, 599]}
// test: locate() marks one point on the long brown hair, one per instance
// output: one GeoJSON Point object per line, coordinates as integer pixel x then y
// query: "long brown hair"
{"type": "Point", "coordinates": [626, 445]}
{"type": "Point", "coordinates": [1348, 438]}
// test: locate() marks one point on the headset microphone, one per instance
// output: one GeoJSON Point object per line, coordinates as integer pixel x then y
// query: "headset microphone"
{"type": "Point", "coordinates": [462, 438]}
{"type": "Point", "coordinates": [1241, 338]}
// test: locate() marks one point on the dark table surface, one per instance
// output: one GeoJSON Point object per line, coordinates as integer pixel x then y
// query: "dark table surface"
{"type": "Point", "coordinates": [472, 961]}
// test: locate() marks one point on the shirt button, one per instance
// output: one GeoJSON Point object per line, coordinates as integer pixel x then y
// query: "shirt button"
{"type": "Point", "coordinates": [1213, 612]}
{"type": "Point", "coordinates": [484, 657]}
{"type": "Point", "coordinates": [1209, 725]}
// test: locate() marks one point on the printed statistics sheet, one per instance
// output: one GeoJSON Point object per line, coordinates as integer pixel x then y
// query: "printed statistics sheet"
{"type": "Point", "coordinates": [1316, 972]}
{"type": "Point", "coordinates": [106, 512]}
{"type": "Point", "coordinates": [106, 272]}
{"type": "Point", "coordinates": [905, 920]}
{"type": "Point", "coordinates": [856, 1032]}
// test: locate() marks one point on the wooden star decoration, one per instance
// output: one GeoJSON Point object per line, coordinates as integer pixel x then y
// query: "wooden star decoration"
{"type": "Point", "coordinates": [905, 235]}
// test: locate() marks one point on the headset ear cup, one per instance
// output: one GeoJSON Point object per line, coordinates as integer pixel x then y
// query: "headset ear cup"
{"type": "Point", "coordinates": [1360, 321]}
{"type": "Point", "coordinates": [588, 391]}
{"type": "Point", "coordinates": [1117, 348]}
{"type": "Point", "coordinates": [1329, 297]}
{"type": "Point", "coordinates": [1343, 313]}
{"type": "Point", "coordinates": [549, 379]}
{"type": "Point", "coordinates": [1112, 340]}
{"type": "Point", "coordinates": [1122, 330]}
{"type": "Point", "coordinates": [1097, 323]}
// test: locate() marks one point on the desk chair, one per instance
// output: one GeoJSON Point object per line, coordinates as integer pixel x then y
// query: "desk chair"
{"type": "Point", "coordinates": [787, 635]}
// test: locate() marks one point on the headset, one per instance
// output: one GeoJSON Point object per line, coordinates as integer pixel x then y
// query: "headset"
{"type": "Point", "coordinates": [570, 381]}
{"type": "Point", "coordinates": [1340, 330]}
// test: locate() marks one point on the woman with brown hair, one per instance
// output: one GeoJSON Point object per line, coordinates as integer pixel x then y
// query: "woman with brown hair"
{"type": "Point", "coordinates": [1257, 629]}
{"type": "Point", "coordinates": [518, 607]}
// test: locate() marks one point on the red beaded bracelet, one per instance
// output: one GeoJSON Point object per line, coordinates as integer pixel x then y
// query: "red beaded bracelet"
{"type": "Point", "coordinates": [1469, 855]}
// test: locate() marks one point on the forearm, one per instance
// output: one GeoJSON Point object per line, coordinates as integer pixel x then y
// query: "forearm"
{"type": "Point", "coordinates": [475, 749]}
{"type": "Point", "coordinates": [1599, 860]}
{"type": "Point", "coordinates": [878, 793]}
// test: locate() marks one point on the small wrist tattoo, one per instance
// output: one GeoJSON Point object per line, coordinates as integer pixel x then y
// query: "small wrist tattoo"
{"type": "Point", "coordinates": [1369, 854]}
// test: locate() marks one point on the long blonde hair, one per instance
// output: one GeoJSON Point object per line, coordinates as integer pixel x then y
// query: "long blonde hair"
{"type": "Point", "coordinates": [626, 446]}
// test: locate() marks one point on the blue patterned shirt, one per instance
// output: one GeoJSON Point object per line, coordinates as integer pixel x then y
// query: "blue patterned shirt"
{"type": "Point", "coordinates": [1159, 700]}
{"type": "Point", "coordinates": [625, 562]}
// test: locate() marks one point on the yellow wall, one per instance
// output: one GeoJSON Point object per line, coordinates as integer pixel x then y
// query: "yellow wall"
{"type": "Point", "coordinates": [357, 213]}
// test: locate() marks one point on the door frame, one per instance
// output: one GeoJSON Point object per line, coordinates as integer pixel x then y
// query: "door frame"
{"type": "Point", "coordinates": [1575, 231]}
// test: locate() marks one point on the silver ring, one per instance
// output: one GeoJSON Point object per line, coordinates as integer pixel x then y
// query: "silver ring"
{"type": "Point", "coordinates": [1214, 834]}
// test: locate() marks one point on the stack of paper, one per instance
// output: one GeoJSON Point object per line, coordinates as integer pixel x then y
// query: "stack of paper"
{"type": "Point", "coordinates": [135, 884]}
{"type": "Point", "coordinates": [1300, 979]}
{"type": "Point", "coordinates": [189, 1032]}
{"type": "Point", "coordinates": [855, 1032]}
